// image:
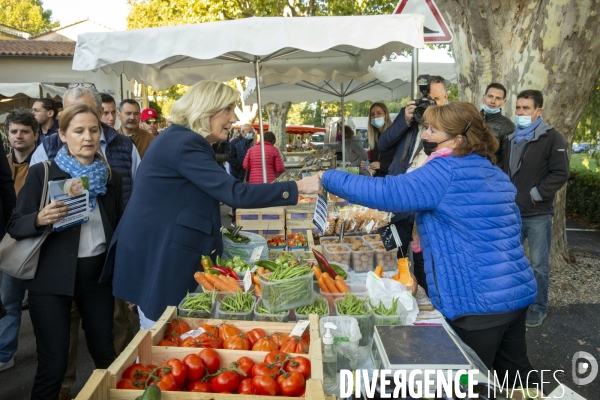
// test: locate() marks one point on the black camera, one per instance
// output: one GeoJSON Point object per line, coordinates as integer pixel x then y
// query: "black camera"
{"type": "Point", "coordinates": [425, 101]}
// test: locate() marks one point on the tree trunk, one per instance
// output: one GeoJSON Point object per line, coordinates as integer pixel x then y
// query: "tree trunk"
{"type": "Point", "coordinates": [277, 119]}
{"type": "Point", "coordinates": [548, 45]}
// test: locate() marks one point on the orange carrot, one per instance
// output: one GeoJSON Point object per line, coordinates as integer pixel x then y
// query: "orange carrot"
{"type": "Point", "coordinates": [201, 279]}
{"type": "Point", "coordinates": [255, 279]}
{"type": "Point", "coordinates": [341, 285]}
{"type": "Point", "coordinates": [231, 287]}
{"type": "Point", "coordinates": [330, 283]}
{"type": "Point", "coordinates": [317, 271]}
{"type": "Point", "coordinates": [322, 285]}
{"type": "Point", "coordinates": [261, 270]}
{"type": "Point", "coordinates": [216, 282]}
{"type": "Point", "coordinates": [379, 271]}
{"type": "Point", "coordinates": [257, 290]}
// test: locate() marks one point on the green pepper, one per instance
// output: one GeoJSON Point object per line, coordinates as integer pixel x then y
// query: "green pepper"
{"type": "Point", "coordinates": [268, 265]}
{"type": "Point", "coordinates": [340, 271]}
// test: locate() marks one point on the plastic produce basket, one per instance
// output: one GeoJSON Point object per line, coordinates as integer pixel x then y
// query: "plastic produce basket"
{"type": "Point", "coordinates": [337, 257]}
{"type": "Point", "coordinates": [362, 260]}
{"type": "Point", "coordinates": [350, 240]}
{"type": "Point", "coordinates": [237, 316]}
{"type": "Point", "coordinates": [288, 293]}
{"type": "Point", "coordinates": [387, 259]}
{"type": "Point", "coordinates": [398, 319]}
{"type": "Point", "coordinates": [364, 323]}
{"type": "Point", "coordinates": [372, 238]}
{"type": "Point", "coordinates": [300, 316]}
{"type": "Point", "coordinates": [187, 313]}
{"type": "Point", "coordinates": [329, 240]}
{"type": "Point", "coordinates": [285, 317]}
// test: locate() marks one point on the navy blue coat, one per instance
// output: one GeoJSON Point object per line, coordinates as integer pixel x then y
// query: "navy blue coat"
{"type": "Point", "coordinates": [173, 218]}
{"type": "Point", "coordinates": [470, 230]}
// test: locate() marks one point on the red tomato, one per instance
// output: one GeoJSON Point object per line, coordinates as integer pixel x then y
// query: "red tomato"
{"type": "Point", "coordinates": [212, 329]}
{"type": "Point", "coordinates": [211, 360]}
{"type": "Point", "coordinates": [278, 338]}
{"type": "Point", "coordinates": [291, 384]}
{"type": "Point", "coordinates": [176, 328]}
{"type": "Point", "coordinates": [264, 344]}
{"type": "Point", "coordinates": [265, 385]}
{"type": "Point", "coordinates": [265, 369]}
{"type": "Point", "coordinates": [245, 386]}
{"type": "Point", "coordinates": [177, 370]}
{"type": "Point", "coordinates": [194, 367]}
{"type": "Point", "coordinates": [245, 365]}
{"type": "Point", "coordinates": [237, 342]}
{"type": "Point", "coordinates": [275, 356]}
{"type": "Point", "coordinates": [136, 372]}
{"type": "Point", "coordinates": [126, 384]}
{"type": "Point", "coordinates": [226, 331]}
{"type": "Point", "coordinates": [299, 364]}
{"type": "Point", "coordinates": [167, 383]}
{"type": "Point", "coordinates": [227, 381]}
{"type": "Point", "coordinates": [167, 343]}
{"type": "Point", "coordinates": [255, 334]}
{"type": "Point", "coordinates": [199, 387]}
{"type": "Point", "coordinates": [294, 344]}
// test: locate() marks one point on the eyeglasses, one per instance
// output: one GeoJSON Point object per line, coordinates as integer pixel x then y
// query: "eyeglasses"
{"type": "Point", "coordinates": [151, 121]}
{"type": "Point", "coordinates": [86, 85]}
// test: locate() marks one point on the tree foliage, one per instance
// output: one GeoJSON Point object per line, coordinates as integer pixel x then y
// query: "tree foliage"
{"type": "Point", "coordinates": [26, 15]}
{"type": "Point", "coordinates": [588, 129]}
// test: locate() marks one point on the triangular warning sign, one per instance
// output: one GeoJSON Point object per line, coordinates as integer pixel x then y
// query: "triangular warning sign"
{"type": "Point", "coordinates": [435, 29]}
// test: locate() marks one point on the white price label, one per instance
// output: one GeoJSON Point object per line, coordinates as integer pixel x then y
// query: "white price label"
{"type": "Point", "coordinates": [256, 254]}
{"type": "Point", "coordinates": [300, 328]}
{"type": "Point", "coordinates": [370, 226]}
{"type": "Point", "coordinates": [320, 215]}
{"type": "Point", "coordinates": [254, 268]}
{"type": "Point", "coordinates": [247, 281]}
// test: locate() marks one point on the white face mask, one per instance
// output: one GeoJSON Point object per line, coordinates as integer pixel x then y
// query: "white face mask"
{"type": "Point", "coordinates": [249, 135]}
{"type": "Point", "coordinates": [490, 110]}
{"type": "Point", "coordinates": [378, 122]}
{"type": "Point", "coordinates": [524, 121]}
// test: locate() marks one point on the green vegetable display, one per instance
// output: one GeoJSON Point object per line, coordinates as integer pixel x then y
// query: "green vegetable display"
{"type": "Point", "coordinates": [287, 288]}
{"type": "Point", "coordinates": [318, 306]}
{"type": "Point", "coordinates": [236, 263]}
{"type": "Point", "coordinates": [289, 260]}
{"type": "Point", "coordinates": [237, 302]}
{"type": "Point", "coordinates": [391, 313]}
{"type": "Point", "coordinates": [353, 306]}
{"type": "Point", "coordinates": [199, 302]}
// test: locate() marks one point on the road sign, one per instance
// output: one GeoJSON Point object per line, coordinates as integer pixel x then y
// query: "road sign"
{"type": "Point", "coordinates": [436, 29]}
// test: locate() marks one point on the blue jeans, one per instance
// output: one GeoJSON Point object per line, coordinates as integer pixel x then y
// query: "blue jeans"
{"type": "Point", "coordinates": [538, 232]}
{"type": "Point", "coordinates": [12, 292]}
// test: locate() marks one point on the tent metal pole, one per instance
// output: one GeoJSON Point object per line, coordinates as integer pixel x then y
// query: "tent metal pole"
{"type": "Point", "coordinates": [414, 71]}
{"type": "Point", "coordinates": [260, 121]}
{"type": "Point", "coordinates": [343, 128]}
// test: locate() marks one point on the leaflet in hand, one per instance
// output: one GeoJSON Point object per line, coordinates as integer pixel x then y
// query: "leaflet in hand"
{"type": "Point", "coordinates": [74, 193]}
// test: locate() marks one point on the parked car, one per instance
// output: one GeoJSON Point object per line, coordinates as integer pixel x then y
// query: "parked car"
{"type": "Point", "coordinates": [317, 140]}
{"type": "Point", "coordinates": [581, 148]}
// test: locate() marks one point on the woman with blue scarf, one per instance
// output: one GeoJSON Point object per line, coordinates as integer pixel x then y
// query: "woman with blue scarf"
{"type": "Point", "coordinates": [71, 260]}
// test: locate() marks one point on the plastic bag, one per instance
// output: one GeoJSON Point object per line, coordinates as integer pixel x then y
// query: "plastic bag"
{"type": "Point", "coordinates": [244, 250]}
{"type": "Point", "coordinates": [346, 338]}
{"type": "Point", "coordinates": [385, 290]}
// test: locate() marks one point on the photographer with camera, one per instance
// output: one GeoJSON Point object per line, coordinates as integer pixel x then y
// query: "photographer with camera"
{"type": "Point", "coordinates": [404, 135]}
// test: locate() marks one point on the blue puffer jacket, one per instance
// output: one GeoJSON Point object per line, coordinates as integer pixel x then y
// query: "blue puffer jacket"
{"type": "Point", "coordinates": [469, 225]}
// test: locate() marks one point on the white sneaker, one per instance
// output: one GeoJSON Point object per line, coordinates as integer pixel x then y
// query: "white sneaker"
{"type": "Point", "coordinates": [6, 365]}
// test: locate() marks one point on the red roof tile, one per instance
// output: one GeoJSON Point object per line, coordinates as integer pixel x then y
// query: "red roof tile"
{"type": "Point", "coordinates": [34, 48]}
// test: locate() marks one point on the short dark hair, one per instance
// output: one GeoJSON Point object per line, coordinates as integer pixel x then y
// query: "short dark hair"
{"type": "Point", "coordinates": [496, 85]}
{"type": "Point", "coordinates": [107, 98]}
{"type": "Point", "coordinates": [270, 137]}
{"type": "Point", "coordinates": [49, 105]}
{"type": "Point", "coordinates": [129, 101]}
{"type": "Point", "coordinates": [535, 95]}
{"type": "Point", "coordinates": [436, 79]}
{"type": "Point", "coordinates": [22, 116]}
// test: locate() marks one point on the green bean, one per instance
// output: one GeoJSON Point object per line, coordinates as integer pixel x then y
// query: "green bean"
{"type": "Point", "coordinates": [237, 302]}
{"type": "Point", "coordinates": [352, 305]}
{"type": "Point", "coordinates": [318, 306]}
{"type": "Point", "coordinates": [202, 301]}
{"type": "Point", "coordinates": [382, 310]}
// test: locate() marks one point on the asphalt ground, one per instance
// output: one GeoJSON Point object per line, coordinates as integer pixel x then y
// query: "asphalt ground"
{"type": "Point", "coordinates": [567, 330]}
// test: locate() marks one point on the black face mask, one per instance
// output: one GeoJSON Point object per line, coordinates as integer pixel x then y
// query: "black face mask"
{"type": "Point", "coordinates": [429, 147]}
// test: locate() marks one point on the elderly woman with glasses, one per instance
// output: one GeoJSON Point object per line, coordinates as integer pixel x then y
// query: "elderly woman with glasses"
{"type": "Point", "coordinates": [173, 216]}
{"type": "Point", "coordinates": [469, 225]}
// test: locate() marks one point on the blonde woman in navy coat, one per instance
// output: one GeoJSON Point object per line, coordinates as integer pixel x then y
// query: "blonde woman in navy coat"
{"type": "Point", "coordinates": [173, 216]}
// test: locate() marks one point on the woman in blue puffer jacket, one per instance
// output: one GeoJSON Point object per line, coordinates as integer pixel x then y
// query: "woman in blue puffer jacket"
{"type": "Point", "coordinates": [477, 273]}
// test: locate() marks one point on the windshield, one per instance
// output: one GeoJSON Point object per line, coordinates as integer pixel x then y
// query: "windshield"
{"type": "Point", "coordinates": [317, 137]}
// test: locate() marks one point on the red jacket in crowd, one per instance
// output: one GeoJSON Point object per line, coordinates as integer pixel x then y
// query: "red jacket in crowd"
{"type": "Point", "coordinates": [273, 163]}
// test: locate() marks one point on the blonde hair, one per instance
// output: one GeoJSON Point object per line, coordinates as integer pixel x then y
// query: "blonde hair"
{"type": "Point", "coordinates": [67, 116]}
{"type": "Point", "coordinates": [372, 132]}
{"type": "Point", "coordinates": [67, 187]}
{"type": "Point", "coordinates": [204, 100]}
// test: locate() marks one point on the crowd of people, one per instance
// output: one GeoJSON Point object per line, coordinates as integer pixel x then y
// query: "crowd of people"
{"type": "Point", "coordinates": [466, 186]}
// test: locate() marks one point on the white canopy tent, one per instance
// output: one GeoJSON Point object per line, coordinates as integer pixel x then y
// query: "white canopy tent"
{"type": "Point", "coordinates": [16, 95]}
{"type": "Point", "coordinates": [336, 47]}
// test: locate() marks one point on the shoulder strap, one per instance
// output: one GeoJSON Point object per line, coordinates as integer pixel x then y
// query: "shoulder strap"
{"type": "Point", "coordinates": [45, 192]}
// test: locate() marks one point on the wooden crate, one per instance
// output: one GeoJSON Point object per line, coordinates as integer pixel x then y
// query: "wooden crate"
{"type": "Point", "coordinates": [300, 225]}
{"type": "Point", "coordinates": [300, 211]}
{"type": "Point", "coordinates": [260, 214]}
{"type": "Point", "coordinates": [268, 233]}
{"type": "Point", "coordinates": [102, 383]}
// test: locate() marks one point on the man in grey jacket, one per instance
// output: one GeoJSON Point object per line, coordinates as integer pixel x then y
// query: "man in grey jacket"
{"type": "Point", "coordinates": [536, 161]}
{"type": "Point", "coordinates": [491, 111]}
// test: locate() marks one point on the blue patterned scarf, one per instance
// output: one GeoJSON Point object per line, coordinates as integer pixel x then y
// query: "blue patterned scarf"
{"type": "Point", "coordinates": [96, 172]}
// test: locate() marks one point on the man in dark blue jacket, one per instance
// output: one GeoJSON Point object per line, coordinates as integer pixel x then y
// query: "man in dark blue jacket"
{"type": "Point", "coordinates": [405, 136]}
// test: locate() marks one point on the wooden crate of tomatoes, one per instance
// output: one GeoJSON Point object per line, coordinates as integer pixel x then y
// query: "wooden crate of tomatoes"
{"type": "Point", "coordinates": [213, 373]}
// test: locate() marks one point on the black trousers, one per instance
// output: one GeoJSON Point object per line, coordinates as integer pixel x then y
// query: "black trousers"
{"type": "Point", "coordinates": [51, 318]}
{"type": "Point", "coordinates": [504, 349]}
{"type": "Point", "coordinates": [419, 270]}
